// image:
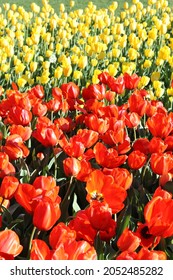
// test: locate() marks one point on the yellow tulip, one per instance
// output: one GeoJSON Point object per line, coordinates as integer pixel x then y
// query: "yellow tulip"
{"type": "Point", "coordinates": [83, 62]}
{"type": "Point", "coordinates": [155, 76]}
{"type": "Point", "coordinates": [147, 63]}
{"type": "Point", "coordinates": [77, 75]}
{"type": "Point", "coordinates": [132, 54]}
{"type": "Point", "coordinates": [58, 72]}
{"type": "Point", "coordinates": [164, 53]}
{"type": "Point", "coordinates": [143, 82]}
{"type": "Point", "coordinates": [33, 66]}
{"type": "Point", "coordinates": [19, 68]}
{"type": "Point", "coordinates": [21, 82]}
{"type": "Point", "coordinates": [67, 70]}
{"type": "Point", "coordinates": [35, 8]}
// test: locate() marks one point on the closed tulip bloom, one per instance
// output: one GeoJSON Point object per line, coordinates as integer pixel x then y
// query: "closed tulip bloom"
{"type": "Point", "coordinates": [161, 163]}
{"type": "Point", "coordinates": [46, 214]}
{"type": "Point", "coordinates": [136, 159]}
{"type": "Point", "coordinates": [160, 125]}
{"type": "Point", "coordinates": [20, 116]}
{"type": "Point", "coordinates": [128, 241]}
{"type": "Point", "coordinates": [100, 215]}
{"type": "Point", "coordinates": [145, 254]}
{"type": "Point", "coordinates": [10, 243]}
{"type": "Point", "coordinates": [137, 103]}
{"type": "Point", "coordinates": [71, 166]}
{"type": "Point", "coordinates": [60, 234]}
{"type": "Point", "coordinates": [142, 145]}
{"type": "Point", "coordinates": [131, 81]}
{"type": "Point", "coordinates": [157, 145]}
{"type": "Point", "coordinates": [158, 214]}
{"type": "Point", "coordinates": [70, 90]}
{"type": "Point", "coordinates": [8, 186]}
{"type": "Point", "coordinates": [40, 250]}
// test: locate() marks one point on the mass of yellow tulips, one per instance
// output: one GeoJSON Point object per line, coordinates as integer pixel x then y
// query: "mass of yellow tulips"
{"type": "Point", "coordinates": [48, 47]}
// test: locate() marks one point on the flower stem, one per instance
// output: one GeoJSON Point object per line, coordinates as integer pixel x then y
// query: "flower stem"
{"type": "Point", "coordinates": [31, 239]}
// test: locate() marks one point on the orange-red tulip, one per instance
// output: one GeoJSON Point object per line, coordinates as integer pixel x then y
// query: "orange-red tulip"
{"type": "Point", "coordinates": [8, 186]}
{"type": "Point", "coordinates": [161, 163]}
{"type": "Point", "coordinates": [136, 159]}
{"type": "Point", "coordinates": [46, 214]}
{"type": "Point", "coordinates": [10, 243]}
{"type": "Point", "coordinates": [128, 241]}
{"type": "Point", "coordinates": [160, 125]}
{"type": "Point", "coordinates": [101, 187]}
{"type": "Point", "coordinates": [72, 166]}
{"type": "Point", "coordinates": [158, 214]}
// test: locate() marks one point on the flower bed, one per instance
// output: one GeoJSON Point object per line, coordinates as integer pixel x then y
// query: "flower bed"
{"type": "Point", "coordinates": [86, 161]}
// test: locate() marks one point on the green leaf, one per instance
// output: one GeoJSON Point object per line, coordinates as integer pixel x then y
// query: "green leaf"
{"type": "Point", "coordinates": [123, 220]}
{"type": "Point", "coordinates": [99, 247]}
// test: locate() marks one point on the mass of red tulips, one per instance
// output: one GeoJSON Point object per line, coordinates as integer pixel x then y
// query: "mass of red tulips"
{"type": "Point", "coordinates": [85, 176]}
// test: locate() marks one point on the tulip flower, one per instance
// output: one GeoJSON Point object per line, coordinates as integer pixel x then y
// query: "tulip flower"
{"type": "Point", "coordinates": [10, 243]}
{"type": "Point", "coordinates": [161, 163]}
{"type": "Point", "coordinates": [8, 187]}
{"type": "Point", "coordinates": [136, 159]}
{"type": "Point", "coordinates": [159, 125]}
{"type": "Point", "coordinates": [97, 189]}
{"type": "Point", "coordinates": [158, 216]}
{"type": "Point", "coordinates": [46, 214]}
{"type": "Point", "coordinates": [128, 241]}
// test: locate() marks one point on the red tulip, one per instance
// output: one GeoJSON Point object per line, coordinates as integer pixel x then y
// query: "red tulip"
{"type": "Point", "coordinates": [161, 163]}
{"type": "Point", "coordinates": [46, 132]}
{"type": "Point", "coordinates": [131, 81]}
{"type": "Point", "coordinates": [97, 124]}
{"type": "Point", "coordinates": [137, 103]}
{"type": "Point", "coordinates": [46, 214]}
{"type": "Point", "coordinates": [4, 160]}
{"type": "Point", "coordinates": [158, 214]}
{"type": "Point", "coordinates": [142, 145]}
{"type": "Point", "coordinates": [157, 145]}
{"type": "Point", "coordinates": [136, 159]}
{"type": "Point", "coordinates": [102, 188]}
{"type": "Point", "coordinates": [40, 250]}
{"type": "Point", "coordinates": [39, 109]}
{"type": "Point", "coordinates": [70, 90]}
{"type": "Point", "coordinates": [122, 176]}
{"type": "Point", "coordinates": [72, 166]}
{"type": "Point", "coordinates": [23, 131]}
{"type": "Point", "coordinates": [15, 147]}
{"type": "Point", "coordinates": [8, 187]}
{"type": "Point", "coordinates": [61, 234]}
{"type": "Point", "coordinates": [94, 92]}
{"type": "Point", "coordinates": [132, 119]}
{"type": "Point", "coordinates": [147, 239]}
{"type": "Point", "coordinates": [20, 116]}
{"type": "Point", "coordinates": [100, 215]}
{"type": "Point", "coordinates": [88, 137]}
{"type": "Point", "coordinates": [116, 84]}
{"type": "Point", "coordinates": [160, 125]}
{"type": "Point", "coordinates": [10, 243]}
{"type": "Point", "coordinates": [128, 241]}
{"type": "Point", "coordinates": [74, 147]}
{"type": "Point", "coordinates": [83, 228]}
{"type": "Point", "coordinates": [145, 254]}
{"type": "Point", "coordinates": [65, 124]}
{"type": "Point", "coordinates": [24, 196]}
{"type": "Point", "coordinates": [108, 157]}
